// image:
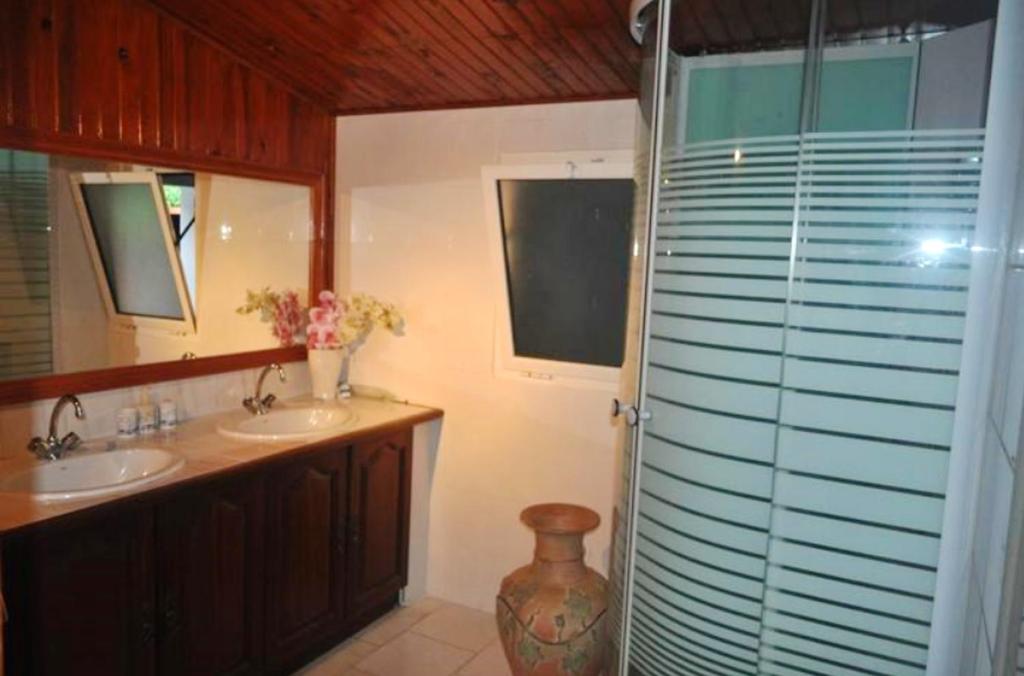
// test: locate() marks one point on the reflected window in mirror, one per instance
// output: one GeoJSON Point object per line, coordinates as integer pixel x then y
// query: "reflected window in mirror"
{"type": "Point", "coordinates": [134, 252]}
{"type": "Point", "coordinates": [175, 251]}
{"type": "Point", "coordinates": [25, 326]}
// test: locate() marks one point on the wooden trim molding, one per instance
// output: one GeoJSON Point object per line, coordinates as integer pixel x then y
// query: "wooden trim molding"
{"type": "Point", "coordinates": [321, 255]}
{"type": "Point", "coordinates": [54, 144]}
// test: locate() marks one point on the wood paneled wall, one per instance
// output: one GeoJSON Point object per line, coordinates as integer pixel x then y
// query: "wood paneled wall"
{"type": "Point", "coordinates": [120, 78]}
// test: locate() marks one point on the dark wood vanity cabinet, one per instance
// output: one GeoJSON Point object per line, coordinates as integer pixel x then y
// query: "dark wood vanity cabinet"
{"type": "Point", "coordinates": [379, 520]}
{"type": "Point", "coordinates": [249, 573]}
{"type": "Point", "coordinates": [210, 578]}
{"type": "Point", "coordinates": [307, 505]}
{"type": "Point", "coordinates": [80, 598]}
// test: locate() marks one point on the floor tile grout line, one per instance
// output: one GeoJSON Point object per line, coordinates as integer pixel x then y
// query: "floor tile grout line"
{"type": "Point", "coordinates": [373, 647]}
{"type": "Point", "coordinates": [458, 669]}
{"type": "Point", "coordinates": [448, 643]}
{"type": "Point", "coordinates": [412, 630]}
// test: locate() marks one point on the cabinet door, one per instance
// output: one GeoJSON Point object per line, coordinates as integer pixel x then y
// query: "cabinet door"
{"type": "Point", "coordinates": [306, 508]}
{"type": "Point", "coordinates": [379, 514]}
{"type": "Point", "coordinates": [81, 598]}
{"type": "Point", "coordinates": [210, 579]}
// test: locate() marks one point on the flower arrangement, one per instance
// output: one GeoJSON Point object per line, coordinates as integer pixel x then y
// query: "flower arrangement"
{"type": "Point", "coordinates": [332, 323]}
{"type": "Point", "coordinates": [281, 309]}
{"type": "Point", "coordinates": [335, 329]}
{"type": "Point", "coordinates": [335, 324]}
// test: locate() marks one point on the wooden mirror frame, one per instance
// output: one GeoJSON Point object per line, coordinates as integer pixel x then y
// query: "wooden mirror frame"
{"type": "Point", "coordinates": [321, 267]}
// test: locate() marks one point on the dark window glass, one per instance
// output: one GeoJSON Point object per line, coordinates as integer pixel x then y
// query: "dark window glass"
{"type": "Point", "coordinates": [567, 247]}
{"type": "Point", "coordinates": [131, 244]}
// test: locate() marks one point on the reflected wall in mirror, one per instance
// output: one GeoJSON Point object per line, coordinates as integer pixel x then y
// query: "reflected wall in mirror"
{"type": "Point", "coordinates": [107, 264]}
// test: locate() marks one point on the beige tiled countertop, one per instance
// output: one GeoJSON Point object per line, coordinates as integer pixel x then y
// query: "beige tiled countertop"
{"type": "Point", "coordinates": [206, 452]}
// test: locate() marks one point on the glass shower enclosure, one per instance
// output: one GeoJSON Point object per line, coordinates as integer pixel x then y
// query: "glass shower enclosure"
{"type": "Point", "coordinates": [809, 179]}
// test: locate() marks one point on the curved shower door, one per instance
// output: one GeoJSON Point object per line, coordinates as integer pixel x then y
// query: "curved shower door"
{"type": "Point", "coordinates": [816, 177]}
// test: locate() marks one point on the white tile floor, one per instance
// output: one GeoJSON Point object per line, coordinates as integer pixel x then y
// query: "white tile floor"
{"type": "Point", "coordinates": [428, 638]}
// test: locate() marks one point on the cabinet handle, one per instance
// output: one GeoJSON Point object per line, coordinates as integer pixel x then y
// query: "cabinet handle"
{"type": "Point", "coordinates": [170, 619]}
{"type": "Point", "coordinates": [354, 534]}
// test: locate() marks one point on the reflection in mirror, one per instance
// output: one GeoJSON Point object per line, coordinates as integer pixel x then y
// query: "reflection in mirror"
{"type": "Point", "coordinates": [126, 226]}
{"type": "Point", "coordinates": [105, 264]}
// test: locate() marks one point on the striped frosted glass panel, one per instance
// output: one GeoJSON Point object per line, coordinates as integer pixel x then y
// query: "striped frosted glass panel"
{"type": "Point", "coordinates": [25, 344]}
{"type": "Point", "coordinates": [802, 388]}
{"type": "Point", "coordinates": [872, 352]}
{"type": "Point", "coordinates": [1020, 649]}
{"type": "Point", "coordinates": [714, 366]}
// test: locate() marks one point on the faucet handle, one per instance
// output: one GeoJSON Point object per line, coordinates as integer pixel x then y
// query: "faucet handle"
{"type": "Point", "coordinates": [52, 449]}
{"type": "Point", "coordinates": [70, 441]}
{"type": "Point", "coordinates": [269, 400]}
{"type": "Point", "coordinates": [39, 447]}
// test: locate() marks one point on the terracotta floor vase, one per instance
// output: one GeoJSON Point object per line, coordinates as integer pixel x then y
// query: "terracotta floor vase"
{"type": "Point", "coordinates": [551, 613]}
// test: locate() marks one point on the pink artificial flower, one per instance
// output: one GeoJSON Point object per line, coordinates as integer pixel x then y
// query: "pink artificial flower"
{"type": "Point", "coordinates": [319, 315]}
{"type": "Point", "coordinates": [322, 332]}
{"type": "Point", "coordinates": [287, 318]}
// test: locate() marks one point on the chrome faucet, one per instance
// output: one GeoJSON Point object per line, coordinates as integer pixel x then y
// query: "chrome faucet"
{"type": "Point", "coordinates": [54, 447]}
{"type": "Point", "coordinates": [256, 404]}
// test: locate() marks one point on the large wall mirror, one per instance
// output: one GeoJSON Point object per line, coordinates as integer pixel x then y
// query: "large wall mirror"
{"type": "Point", "coordinates": [106, 264]}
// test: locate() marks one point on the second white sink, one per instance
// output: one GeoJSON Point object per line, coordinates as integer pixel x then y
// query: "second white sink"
{"type": "Point", "coordinates": [289, 424]}
{"type": "Point", "coordinates": [93, 474]}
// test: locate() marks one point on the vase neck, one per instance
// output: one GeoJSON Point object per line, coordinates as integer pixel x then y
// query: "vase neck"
{"type": "Point", "coordinates": [559, 556]}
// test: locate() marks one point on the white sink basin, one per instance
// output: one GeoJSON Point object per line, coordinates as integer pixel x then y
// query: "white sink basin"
{"type": "Point", "coordinates": [94, 474]}
{"type": "Point", "coordinates": [289, 424]}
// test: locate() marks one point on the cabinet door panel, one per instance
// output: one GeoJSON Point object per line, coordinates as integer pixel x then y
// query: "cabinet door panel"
{"type": "Point", "coordinates": [305, 562]}
{"type": "Point", "coordinates": [138, 53]}
{"type": "Point", "coordinates": [210, 582]}
{"type": "Point", "coordinates": [379, 513]}
{"type": "Point", "coordinates": [87, 67]}
{"type": "Point", "coordinates": [81, 599]}
{"type": "Point", "coordinates": [117, 74]}
{"type": "Point", "coordinates": [27, 72]}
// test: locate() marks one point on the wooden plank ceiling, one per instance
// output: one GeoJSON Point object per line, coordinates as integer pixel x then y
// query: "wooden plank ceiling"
{"type": "Point", "coordinates": [360, 56]}
{"type": "Point", "coordinates": [357, 56]}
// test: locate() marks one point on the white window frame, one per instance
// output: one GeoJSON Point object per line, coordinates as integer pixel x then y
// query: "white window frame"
{"type": "Point", "coordinates": [127, 321]}
{"type": "Point", "coordinates": [506, 362]}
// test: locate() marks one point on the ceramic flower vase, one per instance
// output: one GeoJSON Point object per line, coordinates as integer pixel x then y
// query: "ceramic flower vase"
{"type": "Point", "coordinates": [325, 370]}
{"type": "Point", "coordinates": [551, 613]}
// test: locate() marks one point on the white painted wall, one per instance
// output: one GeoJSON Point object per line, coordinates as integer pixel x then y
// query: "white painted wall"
{"type": "Point", "coordinates": [952, 78]}
{"type": "Point", "coordinates": [411, 229]}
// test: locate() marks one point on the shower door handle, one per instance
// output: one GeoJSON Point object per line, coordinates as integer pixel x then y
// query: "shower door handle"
{"type": "Point", "coordinates": [618, 408]}
{"type": "Point", "coordinates": [632, 415]}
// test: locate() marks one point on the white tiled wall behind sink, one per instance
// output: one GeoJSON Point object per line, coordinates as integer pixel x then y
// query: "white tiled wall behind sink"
{"type": "Point", "coordinates": [194, 397]}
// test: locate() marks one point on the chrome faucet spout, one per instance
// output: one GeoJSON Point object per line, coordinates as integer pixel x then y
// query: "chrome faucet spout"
{"type": "Point", "coordinates": [259, 404]}
{"type": "Point", "coordinates": [53, 447]}
{"type": "Point", "coordinates": [58, 408]}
